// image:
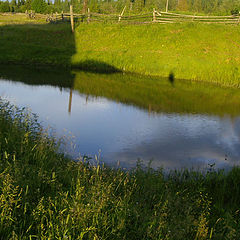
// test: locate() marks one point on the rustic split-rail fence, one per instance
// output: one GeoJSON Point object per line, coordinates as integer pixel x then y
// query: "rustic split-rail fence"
{"type": "Point", "coordinates": [150, 17]}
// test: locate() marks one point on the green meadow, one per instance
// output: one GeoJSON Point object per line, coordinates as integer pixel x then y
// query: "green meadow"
{"type": "Point", "coordinates": [193, 51]}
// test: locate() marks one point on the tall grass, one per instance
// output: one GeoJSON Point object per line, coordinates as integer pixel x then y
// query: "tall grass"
{"type": "Point", "coordinates": [45, 195]}
{"type": "Point", "coordinates": [194, 51]}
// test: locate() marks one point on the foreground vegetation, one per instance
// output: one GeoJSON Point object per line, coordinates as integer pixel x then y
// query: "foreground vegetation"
{"type": "Point", "coordinates": [208, 53]}
{"type": "Point", "coordinates": [45, 195]}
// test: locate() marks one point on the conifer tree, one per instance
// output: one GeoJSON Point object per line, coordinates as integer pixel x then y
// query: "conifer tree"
{"type": "Point", "coordinates": [39, 6]}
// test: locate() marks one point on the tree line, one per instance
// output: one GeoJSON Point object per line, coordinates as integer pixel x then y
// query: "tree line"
{"type": "Point", "coordinates": [218, 7]}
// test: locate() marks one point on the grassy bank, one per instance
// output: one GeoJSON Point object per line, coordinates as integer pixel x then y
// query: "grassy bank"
{"type": "Point", "coordinates": [202, 52]}
{"type": "Point", "coordinates": [189, 51]}
{"type": "Point", "coordinates": [44, 195]}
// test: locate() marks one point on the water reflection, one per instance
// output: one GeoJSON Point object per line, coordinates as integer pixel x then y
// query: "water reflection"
{"type": "Point", "coordinates": [130, 117]}
{"type": "Point", "coordinates": [195, 140]}
{"type": "Point", "coordinates": [70, 102]}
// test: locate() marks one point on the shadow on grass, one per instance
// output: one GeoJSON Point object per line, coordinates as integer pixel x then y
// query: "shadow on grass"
{"type": "Point", "coordinates": [94, 66]}
{"type": "Point", "coordinates": [37, 44]}
{"type": "Point", "coordinates": [51, 45]}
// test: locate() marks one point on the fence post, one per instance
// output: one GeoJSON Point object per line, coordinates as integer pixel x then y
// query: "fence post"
{"type": "Point", "coordinates": [154, 15]}
{"type": "Point", "coordinates": [193, 18]}
{"type": "Point", "coordinates": [85, 4]}
{"type": "Point", "coordinates": [89, 15]}
{"type": "Point", "coordinates": [71, 15]}
{"type": "Point", "coordinates": [120, 16]}
{"type": "Point", "coordinates": [62, 16]}
{"type": "Point", "coordinates": [167, 6]}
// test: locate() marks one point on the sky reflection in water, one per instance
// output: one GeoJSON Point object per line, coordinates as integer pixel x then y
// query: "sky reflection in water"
{"type": "Point", "coordinates": [126, 133]}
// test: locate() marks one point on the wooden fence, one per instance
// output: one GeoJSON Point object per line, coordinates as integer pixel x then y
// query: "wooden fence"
{"type": "Point", "coordinates": [151, 17]}
{"type": "Point", "coordinates": [166, 17]}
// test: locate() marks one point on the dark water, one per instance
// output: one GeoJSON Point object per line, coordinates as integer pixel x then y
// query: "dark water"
{"type": "Point", "coordinates": [128, 117]}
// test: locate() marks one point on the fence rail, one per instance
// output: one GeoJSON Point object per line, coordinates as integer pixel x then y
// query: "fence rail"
{"type": "Point", "coordinates": [151, 17]}
{"type": "Point", "coordinates": [174, 17]}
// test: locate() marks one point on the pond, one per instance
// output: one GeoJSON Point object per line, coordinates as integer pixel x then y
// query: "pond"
{"type": "Point", "coordinates": [122, 117]}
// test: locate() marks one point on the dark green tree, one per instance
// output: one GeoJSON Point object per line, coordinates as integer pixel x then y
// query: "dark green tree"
{"type": "Point", "coordinates": [14, 3]}
{"type": "Point", "coordinates": [39, 6]}
{"type": "Point", "coordinates": [28, 4]}
{"type": "Point", "coordinates": [4, 6]}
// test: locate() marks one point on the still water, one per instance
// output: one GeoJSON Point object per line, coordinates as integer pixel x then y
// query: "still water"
{"type": "Point", "coordinates": [127, 117]}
